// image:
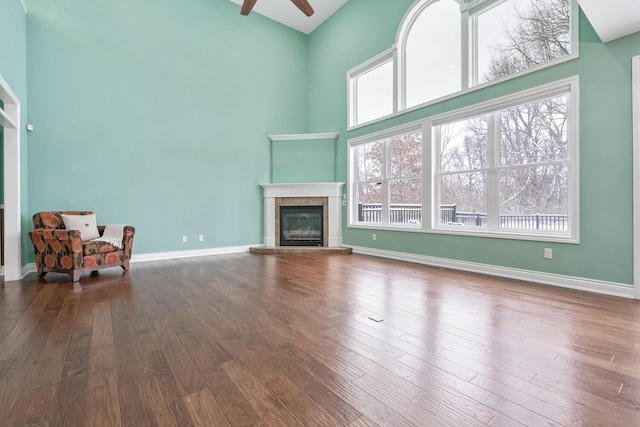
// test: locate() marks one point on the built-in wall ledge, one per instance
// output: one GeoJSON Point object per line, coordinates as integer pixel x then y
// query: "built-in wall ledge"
{"type": "Point", "coordinates": [303, 136]}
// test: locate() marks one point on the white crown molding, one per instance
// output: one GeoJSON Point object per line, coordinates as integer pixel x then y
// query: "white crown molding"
{"type": "Point", "coordinates": [303, 136]}
{"type": "Point", "coordinates": [570, 282]}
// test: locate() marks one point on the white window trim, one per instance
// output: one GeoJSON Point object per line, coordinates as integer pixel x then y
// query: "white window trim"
{"type": "Point", "coordinates": [428, 225]}
{"type": "Point", "coordinates": [467, 56]}
{"type": "Point", "coordinates": [374, 137]}
{"type": "Point", "coordinates": [388, 55]}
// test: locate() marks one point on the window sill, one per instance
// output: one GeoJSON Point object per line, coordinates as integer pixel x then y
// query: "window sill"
{"type": "Point", "coordinates": [401, 112]}
{"type": "Point", "coordinates": [537, 237]}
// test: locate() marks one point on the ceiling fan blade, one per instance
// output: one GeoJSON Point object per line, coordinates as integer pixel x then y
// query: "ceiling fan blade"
{"type": "Point", "coordinates": [247, 6]}
{"type": "Point", "coordinates": [304, 6]}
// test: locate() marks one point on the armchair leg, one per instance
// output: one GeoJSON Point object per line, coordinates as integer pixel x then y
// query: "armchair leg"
{"type": "Point", "coordinates": [75, 275]}
{"type": "Point", "coordinates": [41, 272]}
{"type": "Point", "coordinates": [125, 265]}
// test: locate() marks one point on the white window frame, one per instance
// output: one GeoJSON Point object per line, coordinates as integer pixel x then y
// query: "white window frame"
{"type": "Point", "coordinates": [468, 13]}
{"type": "Point", "coordinates": [385, 179]}
{"type": "Point", "coordinates": [390, 55]}
{"type": "Point", "coordinates": [430, 221]}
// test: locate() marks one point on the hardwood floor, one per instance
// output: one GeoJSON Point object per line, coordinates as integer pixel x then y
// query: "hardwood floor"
{"type": "Point", "coordinates": [285, 340]}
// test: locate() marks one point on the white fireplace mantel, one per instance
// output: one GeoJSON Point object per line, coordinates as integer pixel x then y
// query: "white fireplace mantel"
{"type": "Point", "coordinates": [331, 190]}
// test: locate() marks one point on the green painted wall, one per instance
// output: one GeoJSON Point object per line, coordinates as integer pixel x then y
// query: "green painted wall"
{"type": "Point", "coordinates": [155, 113]}
{"type": "Point", "coordinates": [364, 28]}
{"type": "Point", "coordinates": [13, 69]}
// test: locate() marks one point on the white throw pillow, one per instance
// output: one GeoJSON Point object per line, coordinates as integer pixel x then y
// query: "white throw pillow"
{"type": "Point", "coordinates": [86, 224]}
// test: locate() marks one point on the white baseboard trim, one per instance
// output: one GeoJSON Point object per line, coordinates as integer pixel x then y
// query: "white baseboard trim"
{"type": "Point", "coordinates": [571, 282]}
{"type": "Point", "coordinates": [29, 268]}
{"type": "Point", "coordinates": [160, 256]}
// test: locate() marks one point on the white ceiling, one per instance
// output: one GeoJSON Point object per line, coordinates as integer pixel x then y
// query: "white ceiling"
{"type": "Point", "coordinates": [612, 19]}
{"type": "Point", "coordinates": [287, 13]}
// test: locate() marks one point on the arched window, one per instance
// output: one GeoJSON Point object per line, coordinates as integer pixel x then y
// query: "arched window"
{"type": "Point", "coordinates": [430, 52]}
{"type": "Point", "coordinates": [444, 47]}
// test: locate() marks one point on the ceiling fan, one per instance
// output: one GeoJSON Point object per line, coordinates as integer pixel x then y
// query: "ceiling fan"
{"type": "Point", "coordinates": [303, 5]}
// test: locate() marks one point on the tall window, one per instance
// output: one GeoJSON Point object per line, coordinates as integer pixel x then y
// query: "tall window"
{"type": "Point", "coordinates": [504, 168]}
{"type": "Point", "coordinates": [447, 46]}
{"type": "Point", "coordinates": [507, 169]}
{"type": "Point", "coordinates": [387, 179]}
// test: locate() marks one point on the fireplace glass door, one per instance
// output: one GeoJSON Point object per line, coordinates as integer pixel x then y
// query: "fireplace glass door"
{"type": "Point", "coordinates": [301, 226]}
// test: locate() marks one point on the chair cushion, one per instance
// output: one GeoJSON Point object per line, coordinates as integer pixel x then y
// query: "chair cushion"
{"type": "Point", "coordinates": [93, 248]}
{"type": "Point", "coordinates": [86, 224]}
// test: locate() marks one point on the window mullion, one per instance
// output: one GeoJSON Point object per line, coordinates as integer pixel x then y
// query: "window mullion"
{"type": "Point", "coordinates": [354, 100]}
{"type": "Point", "coordinates": [429, 203]}
{"type": "Point", "coordinates": [469, 47]}
{"type": "Point", "coordinates": [385, 183]}
{"type": "Point", "coordinates": [397, 103]}
{"type": "Point", "coordinates": [493, 175]}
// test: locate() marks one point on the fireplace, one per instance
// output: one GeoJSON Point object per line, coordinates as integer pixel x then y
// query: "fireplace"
{"type": "Point", "coordinates": [326, 197]}
{"type": "Point", "coordinates": [301, 225]}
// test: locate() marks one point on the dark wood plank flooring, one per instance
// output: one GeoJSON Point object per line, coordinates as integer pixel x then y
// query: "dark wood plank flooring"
{"type": "Point", "coordinates": [287, 339]}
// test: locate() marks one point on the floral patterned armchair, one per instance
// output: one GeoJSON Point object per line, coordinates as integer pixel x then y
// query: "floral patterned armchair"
{"type": "Point", "coordinates": [60, 250]}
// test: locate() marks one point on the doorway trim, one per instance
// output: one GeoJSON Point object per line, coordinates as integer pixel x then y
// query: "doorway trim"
{"type": "Point", "coordinates": [10, 120]}
{"type": "Point", "coordinates": [635, 81]}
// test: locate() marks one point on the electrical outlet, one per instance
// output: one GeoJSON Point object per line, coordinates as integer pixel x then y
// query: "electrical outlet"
{"type": "Point", "coordinates": [374, 236]}
{"type": "Point", "coordinates": [184, 239]}
{"type": "Point", "coordinates": [548, 253]}
{"type": "Point", "coordinates": [201, 237]}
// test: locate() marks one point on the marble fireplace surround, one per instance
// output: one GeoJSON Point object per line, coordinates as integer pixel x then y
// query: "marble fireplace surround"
{"type": "Point", "coordinates": [327, 194]}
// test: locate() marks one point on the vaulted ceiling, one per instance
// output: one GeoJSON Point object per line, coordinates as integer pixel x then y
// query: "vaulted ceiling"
{"type": "Point", "coordinates": [287, 13]}
{"type": "Point", "coordinates": [611, 19]}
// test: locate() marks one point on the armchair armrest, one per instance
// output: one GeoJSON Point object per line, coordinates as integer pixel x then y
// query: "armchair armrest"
{"type": "Point", "coordinates": [127, 238]}
{"type": "Point", "coordinates": [127, 241]}
{"type": "Point", "coordinates": [41, 236]}
{"type": "Point", "coordinates": [55, 248]}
